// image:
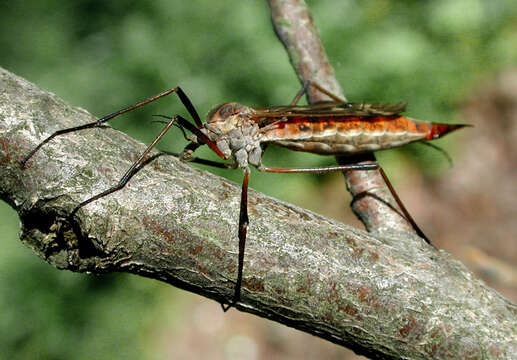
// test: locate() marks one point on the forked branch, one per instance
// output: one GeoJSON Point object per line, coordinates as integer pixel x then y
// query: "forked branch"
{"type": "Point", "coordinates": [386, 297]}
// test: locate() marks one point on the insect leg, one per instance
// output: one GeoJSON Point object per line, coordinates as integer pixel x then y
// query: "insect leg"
{"type": "Point", "coordinates": [142, 159]}
{"type": "Point", "coordinates": [183, 97]}
{"type": "Point", "coordinates": [408, 217]}
{"type": "Point", "coordinates": [243, 227]}
{"type": "Point", "coordinates": [199, 134]}
{"type": "Point", "coordinates": [188, 158]}
{"type": "Point", "coordinates": [137, 165]}
{"type": "Point", "coordinates": [337, 168]}
{"type": "Point", "coordinates": [300, 92]}
{"type": "Point", "coordinates": [306, 85]}
{"type": "Point", "coordinates": [326, 92]}
{"type": "Point", "coordinates": [347, 167]}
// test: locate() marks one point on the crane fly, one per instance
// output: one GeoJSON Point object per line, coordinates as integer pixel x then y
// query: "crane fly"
{"type": "Point", "coordinates": [241, 134]}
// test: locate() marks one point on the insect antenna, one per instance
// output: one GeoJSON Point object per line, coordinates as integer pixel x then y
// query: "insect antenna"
{"type": "Point", "coordinates": [185, 136]}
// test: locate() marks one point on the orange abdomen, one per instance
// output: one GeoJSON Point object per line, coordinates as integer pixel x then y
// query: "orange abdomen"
{"type": "Point", "coordinates": [351, 135]}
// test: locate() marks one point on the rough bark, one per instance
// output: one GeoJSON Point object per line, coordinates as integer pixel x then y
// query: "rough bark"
{"type": "Point", "coordinates": [389, 296]}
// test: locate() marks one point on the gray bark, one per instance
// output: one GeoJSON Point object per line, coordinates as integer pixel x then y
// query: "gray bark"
{"type": "Point", "coordinates": [384, 296]}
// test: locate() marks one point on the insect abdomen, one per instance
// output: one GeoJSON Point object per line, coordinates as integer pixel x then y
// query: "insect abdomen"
{"type": "Point", "coordinates": [351, 135]}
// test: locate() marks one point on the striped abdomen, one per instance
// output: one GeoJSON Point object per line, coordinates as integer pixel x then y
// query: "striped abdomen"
{"type": "Point", "coordinates": [349, 135]}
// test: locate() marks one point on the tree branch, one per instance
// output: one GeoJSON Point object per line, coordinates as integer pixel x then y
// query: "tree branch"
{"type": "Point", "coordinates": [295, 28]}
{"type": "Point", "coordinates": [386, 297]}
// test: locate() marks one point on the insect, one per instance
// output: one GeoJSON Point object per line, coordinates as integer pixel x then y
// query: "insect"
{"type": "Point", "coordinates": [241, 134]}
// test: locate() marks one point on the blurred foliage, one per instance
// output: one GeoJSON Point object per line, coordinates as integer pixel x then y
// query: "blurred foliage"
{"type": "Point", "coordinates": [105, 55]}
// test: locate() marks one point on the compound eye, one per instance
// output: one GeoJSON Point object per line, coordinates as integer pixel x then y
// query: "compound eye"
{"type": "Point", "coordinates": [223, 112]}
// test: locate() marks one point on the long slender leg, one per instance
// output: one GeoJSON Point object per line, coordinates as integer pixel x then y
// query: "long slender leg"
{"type": "Point", "coordinates": [199, 134]}
{"type": "Point", "coordinates": [407, 216]}
{"type": "Point", "coordinates": [306, 85]}
{"type": "Point", "coordinates": [326, 92]}
{"type": "Point", "coordinates": [300, 93]}
{"type": "Point", "coordinates": [183, 97]}
{"type": "Point", "coordinates": [243, 227]}
{"type": "Point", "coordinates": [201, 161]}
{"type": "Point", "coordinates": [129, 173]}
{"type": "Point", "coordinates": [243, 215]}
{"type": "Point", "coordinates": [348, 167]}
{"type": "Point", "coordinates": [321, 170]}
{"type": "Point", "coordinates": [375, 166]}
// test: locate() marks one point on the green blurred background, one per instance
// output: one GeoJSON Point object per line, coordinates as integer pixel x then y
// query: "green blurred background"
{"type": "Point", "coordinates": [105, 55]}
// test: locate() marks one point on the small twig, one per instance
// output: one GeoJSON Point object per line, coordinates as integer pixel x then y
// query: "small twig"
{"type": "Point", "coordinates": [295, 28]}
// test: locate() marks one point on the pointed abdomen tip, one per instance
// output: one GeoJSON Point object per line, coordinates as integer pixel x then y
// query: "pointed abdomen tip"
{"type": "Point", "coordinates": [438, 130]}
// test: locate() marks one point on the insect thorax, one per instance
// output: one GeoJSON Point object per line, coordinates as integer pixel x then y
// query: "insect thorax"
{"type": "Point", "coordinates": [236, 135]}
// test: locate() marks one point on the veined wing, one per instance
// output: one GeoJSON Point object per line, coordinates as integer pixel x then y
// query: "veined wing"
{"type": "Point", "coordinates": [328, 109]}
